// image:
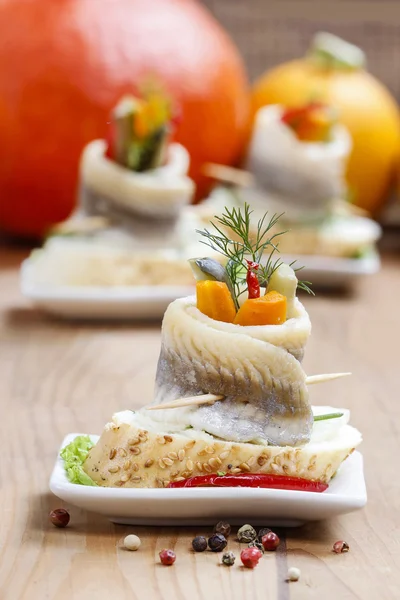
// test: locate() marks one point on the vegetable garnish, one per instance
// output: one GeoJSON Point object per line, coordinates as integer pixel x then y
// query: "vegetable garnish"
{"type": "Point", "coordinates": [139, 129]}
{"type": "Point", "coordinates": [312, 122]}
{"type": "Point", "coordinates": [328, 416]}
{"type": "Point", "coordinates": [253, 285]}
{"type": "Point", "coordinates": [214, 300]}
{"type": "Point", "coordinates": [279, 482]}
{"type": "Point", "coordinates": [232, 238]}
{"type": "Point", "coordinates": [270, 309]}
{"type": "Point", "coordinates": [74, 455]}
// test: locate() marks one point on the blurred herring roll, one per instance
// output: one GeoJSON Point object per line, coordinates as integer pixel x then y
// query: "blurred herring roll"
{"type": "Point", "coordinates": [108, 187]}
{"type": "Point", "coordinates": [298, 158]}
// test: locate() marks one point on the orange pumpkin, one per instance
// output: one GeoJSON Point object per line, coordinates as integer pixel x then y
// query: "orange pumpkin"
{"type": "Point", "coordinates": [65, 63]}
{"type": "Point", "coordinates": [365, 107]}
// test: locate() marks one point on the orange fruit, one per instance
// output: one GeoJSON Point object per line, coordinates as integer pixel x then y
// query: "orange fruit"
{"type": "Point", "coordinates": [365, 107]}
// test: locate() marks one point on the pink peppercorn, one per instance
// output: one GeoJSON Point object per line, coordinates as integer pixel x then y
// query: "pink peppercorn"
{"type": "Point", "coordinates": [250, 557]}
{"type": "Point", "coordinates": [340, 546]}
{"type": "Point", "coordinates": [270, 541]}
{"type": "Point", "coordinates": [167, 557]}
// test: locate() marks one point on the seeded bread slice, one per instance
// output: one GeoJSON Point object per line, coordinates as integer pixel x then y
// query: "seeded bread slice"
{"type": "Point", "coordinates": [128, 455]}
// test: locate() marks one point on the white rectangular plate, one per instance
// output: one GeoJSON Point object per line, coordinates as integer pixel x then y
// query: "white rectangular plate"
{"type": "Point", "coordinates": [97, 303]}
{"type": "Point", "coordinates": [205, 506]}
{"type": "Point", "coordinates": [334, 272]}
{"type": "Point", "coordinates": [150, 302]}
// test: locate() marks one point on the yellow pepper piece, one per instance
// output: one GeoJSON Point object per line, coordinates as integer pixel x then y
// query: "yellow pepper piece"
{"type": "Point", "coordinates": [150, 116]}
{"type": "Point", "coordinates": [214, 300]}
{"type": "Point", "coordinates": [266, 310]}
{"type": "Point", "coordinates": [316, 127]}
{"type": "Point", "coordinates": [141, 124]}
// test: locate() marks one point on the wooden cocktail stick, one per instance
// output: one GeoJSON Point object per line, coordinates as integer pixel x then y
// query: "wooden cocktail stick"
{"type": "Point", "coordinates": [324, 377]}
{"type": "Point", "coordinates": [229, 175]}
{"type": "Point", "coordinates": [189, 401]}
{"type": "Point", "coordinates": [243, 178]}
{"type": "Point", "coordinates": [82, 225]}
{"type": "Point", "coordinates": [211, 398]}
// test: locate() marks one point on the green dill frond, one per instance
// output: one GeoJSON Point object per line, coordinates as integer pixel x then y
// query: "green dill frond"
{"type": "Point", "coordinates": [234, 238]}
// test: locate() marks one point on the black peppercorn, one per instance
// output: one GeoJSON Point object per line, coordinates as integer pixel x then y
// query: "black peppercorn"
{"type": "Point", "coordinates": [257, 544]}
{"type": "Point", "coordinates": [217, 542]}
{"type": "Point", "coordinates": [263, 532]}
{"type": "Point", "coordinates": [199, 543]}
{"type": "Point", "coordinates": [223, 527]}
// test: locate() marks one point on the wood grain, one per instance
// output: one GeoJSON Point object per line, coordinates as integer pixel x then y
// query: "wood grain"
{"type": "Point", "coordinates": [58, 377]}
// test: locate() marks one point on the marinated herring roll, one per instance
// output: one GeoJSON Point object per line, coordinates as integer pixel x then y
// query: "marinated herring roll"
{"type": "Point", "coordinates": [137, 177]}
{"type": "Point", "coordinates": [255, 368]}
{"type": "Point", "coordinates": [298, 158]}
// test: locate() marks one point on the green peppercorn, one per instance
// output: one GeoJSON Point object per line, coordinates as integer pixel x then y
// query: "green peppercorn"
{"type": "Point", "coordinates": [263, 532]}
{"type": "Point", "coordinates": [199, 543]}
{"type": "Point", "coordinates": [246, 534]}
{"type": "Point", "coordinates": [223, 527]}
{"type": "Point", "coordinates": [217, 542]}
{"type": "Point", "coordinates": [228, 558]}
{"type": "Point", "coordinates": [256, 544]}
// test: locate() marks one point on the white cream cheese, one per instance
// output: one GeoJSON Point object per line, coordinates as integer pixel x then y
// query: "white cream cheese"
{"type": "Point", "coordinates": [330, 435]}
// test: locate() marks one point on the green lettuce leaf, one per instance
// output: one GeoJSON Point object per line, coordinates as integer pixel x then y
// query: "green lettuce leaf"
{"type": "Point", "coordinates": [74, 455]}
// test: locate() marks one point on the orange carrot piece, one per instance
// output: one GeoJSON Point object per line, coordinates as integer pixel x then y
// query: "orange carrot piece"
{"type": "Point", "coordinates": [214, 300]}
{"type": "Point", "coordinates": [266, 310]}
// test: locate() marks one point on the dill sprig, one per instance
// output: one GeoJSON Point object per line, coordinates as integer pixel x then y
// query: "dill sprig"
{"type": "Point", "coordinates": [246, 246]}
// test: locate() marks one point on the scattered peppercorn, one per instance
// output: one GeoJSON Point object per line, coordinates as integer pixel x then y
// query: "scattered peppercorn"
{"type": "Point", "coordinates": [132, 542]}
{"type": "Point", "coordinates": [256, 544]}
{"type": "Point", "coordinates": [223, 527]}
{"type": "Point", "coordinates": [340, 546]}
{"type": "Point", "coordinates": [59, 517]}
{"type": "Point", "coordinates": [167, 557]}
{"type": "Point", "coordinates": [250, 557]}
{"type": "Point", "coordinates": [217, 542]}
{"type": "Point", "coordinates": [270, 541]}
{"type": "Point", "coordinates": [199, 543]}
{"type": "Point", "coordinates": [228, 558]}
{"type": "Point", "coordinates": [263, 532]}
{"type": "Point", "coordinates": [293, 574]}
{"type": "Point", "coordinates": [246, 534]}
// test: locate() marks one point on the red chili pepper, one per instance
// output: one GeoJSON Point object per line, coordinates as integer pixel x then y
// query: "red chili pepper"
{"type": "Point", "coordinates": [110, 139]}
{"type": "Point", "coordinates": [253, 285]}
{"type": "Point", "coordinates": [292, 115]}
{"type": "Point", "coordinates": [279, 482]}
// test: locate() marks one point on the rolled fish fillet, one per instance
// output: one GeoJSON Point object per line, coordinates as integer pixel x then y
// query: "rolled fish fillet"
{"type": "Point", "coordinates": [256, 368]}
{"type": "Point", "coordinates": [112, 190]}
{"type": "Point", "coordinates": [295, 176]}
{"type": "Point", "coordinates": [136, 451]}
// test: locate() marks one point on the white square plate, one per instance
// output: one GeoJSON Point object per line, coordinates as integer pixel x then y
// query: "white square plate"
{"type": "Point", "coordinates": [204, 506]}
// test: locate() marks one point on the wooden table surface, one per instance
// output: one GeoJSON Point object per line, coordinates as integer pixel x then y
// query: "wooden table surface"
{"type": "Point", "coordinates": [58, 377]}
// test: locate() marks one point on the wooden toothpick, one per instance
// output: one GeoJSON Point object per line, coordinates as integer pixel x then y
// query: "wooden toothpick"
{"type": "Point", "coordinates": [211, 398]}
{"type": "Point", "coordinates": [230, 175]}
{"type": "Point", "coordinates": [189, 401]}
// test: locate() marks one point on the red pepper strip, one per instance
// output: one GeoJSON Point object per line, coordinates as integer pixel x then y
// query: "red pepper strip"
{"type": "Point", "coordinates": [110, 139]}
{"type": "Point", "coordinates": [253, 285]}
{"type": "Point", "coordinates": [294, 114]}
{"type": "Point", "coordinates": [279, 482]}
